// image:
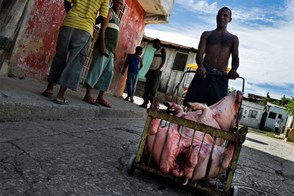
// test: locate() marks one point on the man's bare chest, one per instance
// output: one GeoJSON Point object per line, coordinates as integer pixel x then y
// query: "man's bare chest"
{"type": "Point", "coordinates": [220, 40]}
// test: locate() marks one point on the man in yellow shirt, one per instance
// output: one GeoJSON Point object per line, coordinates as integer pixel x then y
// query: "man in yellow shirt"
{"type": "Point", "coordinates": [73, 43]}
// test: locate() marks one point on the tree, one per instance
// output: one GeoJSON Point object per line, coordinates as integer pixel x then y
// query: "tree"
{"type": "Point", "coordinates": [290, 106]}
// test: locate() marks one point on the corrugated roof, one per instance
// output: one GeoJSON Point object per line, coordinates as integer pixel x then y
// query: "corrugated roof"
{"type": "Point", "coordinates": [171, 45]}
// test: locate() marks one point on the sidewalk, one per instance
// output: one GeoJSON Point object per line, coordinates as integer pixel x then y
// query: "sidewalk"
{"type": "Point", "coordinates": [21, 99]}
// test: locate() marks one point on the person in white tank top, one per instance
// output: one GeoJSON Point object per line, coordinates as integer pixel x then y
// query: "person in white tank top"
{"type": "Point", "coordinates": [153, 76]}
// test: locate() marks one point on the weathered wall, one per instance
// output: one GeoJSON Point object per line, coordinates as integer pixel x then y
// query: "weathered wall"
{"type": "Point", "coordinates": [131, 32]}
{"type": "Point", "coordinates": [10, 22]}
{"type": "Point", "coordinates": [35, 45]}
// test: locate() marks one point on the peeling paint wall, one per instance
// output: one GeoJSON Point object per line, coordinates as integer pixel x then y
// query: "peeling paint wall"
{"type": "Point", "coordinates": [132, 28]}
{"type": "Point", "coordinates": [35, 45]}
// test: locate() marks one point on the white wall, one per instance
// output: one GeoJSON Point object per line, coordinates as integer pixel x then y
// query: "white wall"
{"type": "Point", "coordinates": [278, 110]}
{"type": "Point", "coordinates": [245, 119]}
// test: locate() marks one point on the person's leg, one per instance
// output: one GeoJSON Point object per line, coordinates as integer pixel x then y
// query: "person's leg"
{"type": "Point", "coordinates": [155, 85]}
{"type": "Point", "coordinates": [105, 80]}
{"type": "Point", "coordinates": [94, 74]}
{"type": "Point", "coordinates": [59, 60]}
{"type": "Point", "coordinates": [147, 88]}
{"type": "Point", "coordinates": [60, 94]}
{"type": "Point", "coordinates": [100, 95]}
{"type": "Point", "coordinates": [146, 91]}
{"type": "Point", "coordinates": [129, 85]}
{"type": "Point", "coordinates": [134, 85]}
{"type": "Point", "coordinates": [278, 131]}
{"type": "Point", "coordinates": [78, 51]}
{"type": "Point", "coordinates": [48, 92]}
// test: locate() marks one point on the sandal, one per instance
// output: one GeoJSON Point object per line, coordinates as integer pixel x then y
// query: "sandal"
{"type": "Point", "coordinates": [47, 94]}
{"type": "Point", "coordinates": [61, 101]}
{"type": "Point", "coordinates": [104, 103]}
{"type": "Point", "coordinates": [91, 101]}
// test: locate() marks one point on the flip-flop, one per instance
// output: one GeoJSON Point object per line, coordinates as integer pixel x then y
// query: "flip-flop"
{"type": "Point", "coordinates": [61, 101]}
{"type": "Point", "coordinates": [104, 103]}
{"type": "Point", "coordinates": [91, 101]}
{"type": "Point", "coordinates": [47, 94]}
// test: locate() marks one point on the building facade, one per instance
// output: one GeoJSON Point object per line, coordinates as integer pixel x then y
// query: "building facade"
{"type": "Point", "coordinates": [29, 31]}
{"type": "Point", "coordinates": [177, 57]}
{"type": "Point", "coordinates": [262, 117]}
{"type": "Point", "coordinates": [250, 114]}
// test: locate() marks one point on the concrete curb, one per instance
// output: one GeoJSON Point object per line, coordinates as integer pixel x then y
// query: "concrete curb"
{"type": "Point", "coordinates": [21, 100]}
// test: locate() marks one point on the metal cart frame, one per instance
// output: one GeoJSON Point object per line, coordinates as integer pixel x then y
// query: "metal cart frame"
{"type": "Point", "coordinates": [238, 137]}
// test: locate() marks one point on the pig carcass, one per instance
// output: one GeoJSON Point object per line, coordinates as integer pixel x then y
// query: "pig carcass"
{"type": "Point", "coordinates": [173, 151]}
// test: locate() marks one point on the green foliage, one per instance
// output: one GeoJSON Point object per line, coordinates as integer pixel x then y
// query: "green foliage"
{"type": "Point", "coordinates": [230, 89]}
{"type": "Point", "coordinates": [285, 100]}
{"type": "Point", "coordinates": [290, 106]}
{"type": "Point", "coordinates": [263, 103]}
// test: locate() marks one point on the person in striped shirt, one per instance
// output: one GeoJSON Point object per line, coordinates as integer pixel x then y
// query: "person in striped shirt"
{"type": "Point", "coordinates": [74, 40]}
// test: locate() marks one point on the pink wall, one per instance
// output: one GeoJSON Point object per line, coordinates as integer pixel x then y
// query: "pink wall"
{"type": "Point", "coordinates": [131, 33]}
{"type": "Point", "coordinates": [35, 47]}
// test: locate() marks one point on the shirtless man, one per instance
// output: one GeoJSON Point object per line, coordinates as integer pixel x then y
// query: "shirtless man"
{"type": "Point", "coordinates": [214, 50]}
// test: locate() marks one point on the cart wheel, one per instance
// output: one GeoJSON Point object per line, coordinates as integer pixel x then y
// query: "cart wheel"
{"type": "Point", "coordinates": [130, 166]}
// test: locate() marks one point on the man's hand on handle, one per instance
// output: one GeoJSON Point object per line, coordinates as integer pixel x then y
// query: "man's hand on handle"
{"type": "Point", "coordinates": [201, 71]}
{"type": "Point", "coordinates": [233, 74]}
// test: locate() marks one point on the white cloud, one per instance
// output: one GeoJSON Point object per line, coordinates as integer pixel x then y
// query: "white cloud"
{"type": "Point", "coordinates": [198, 6]}
{"type": "Point", "coordinates": [288, 13]}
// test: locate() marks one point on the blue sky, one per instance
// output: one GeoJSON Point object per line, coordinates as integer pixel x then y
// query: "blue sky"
{"type": "Point", "coordinates": [265, 29]}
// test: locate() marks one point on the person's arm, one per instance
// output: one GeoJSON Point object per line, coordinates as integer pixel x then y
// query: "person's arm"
{"type": "Point", "coordinates": [141, 63]}
{"type": "Point", "coordinates": [99, 19]}
{"type": "Point", "coordinates": [102, 32]}
{"type": "Point", "coordinates": [103, 12]}
{"type": "Point", "coordinates": [200, 54]}
{"type": "Point", "coordinates": [125, 65]}
{"type": "Point", "coordinates": [235, 59]}
{"type": "Point", "coordinates": [163, 57]}
{"type": "Point", "coordinates": [67, 5]}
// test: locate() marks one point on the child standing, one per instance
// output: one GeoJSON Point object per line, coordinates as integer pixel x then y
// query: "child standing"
{"type": "Point", "coordinates": [133, 63]}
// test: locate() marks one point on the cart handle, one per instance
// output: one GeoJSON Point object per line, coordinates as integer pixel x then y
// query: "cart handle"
{"type": "Point", "coordinates": [211, 74]}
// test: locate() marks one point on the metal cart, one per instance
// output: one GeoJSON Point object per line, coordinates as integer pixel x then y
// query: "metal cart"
{"type": "Point", "coordinates": [142, 160]}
